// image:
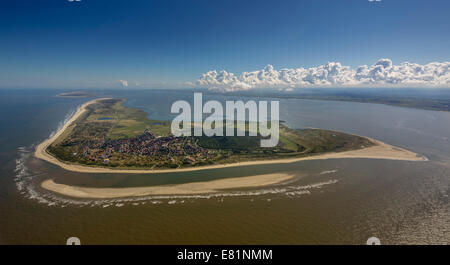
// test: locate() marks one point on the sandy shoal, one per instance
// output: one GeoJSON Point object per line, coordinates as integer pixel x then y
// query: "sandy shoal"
{"type": "Point", "coordinates": [178, 189]}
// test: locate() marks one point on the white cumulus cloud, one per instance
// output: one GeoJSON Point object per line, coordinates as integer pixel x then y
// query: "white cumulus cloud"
{"type": "Point", "coordinates": [123, 83]}
{"type": "Point", "coordinates": [332, 74]}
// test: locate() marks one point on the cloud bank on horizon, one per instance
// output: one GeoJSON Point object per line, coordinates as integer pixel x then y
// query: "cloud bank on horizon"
{"type": "Point", "coordinates": [333, 74]}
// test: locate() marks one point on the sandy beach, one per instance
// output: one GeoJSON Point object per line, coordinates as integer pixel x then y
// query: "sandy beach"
{"type": "Point", "coordinates": [178, 189]}
{"type": "Point", "coordinates": [379, 151]}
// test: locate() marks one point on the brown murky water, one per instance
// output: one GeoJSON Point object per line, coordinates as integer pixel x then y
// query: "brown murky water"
{"type": "Point", "coordinates": [329, 202]}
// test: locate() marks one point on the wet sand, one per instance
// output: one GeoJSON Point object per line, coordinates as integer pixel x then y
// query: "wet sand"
{"type": "Point", "coordinates": [177, 189]}
{"type": "Point", "coordinates": [380, 151]}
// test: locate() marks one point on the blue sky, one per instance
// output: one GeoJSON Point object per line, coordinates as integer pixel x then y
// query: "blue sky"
{"type": "Point", "coordinates": [95, 43]}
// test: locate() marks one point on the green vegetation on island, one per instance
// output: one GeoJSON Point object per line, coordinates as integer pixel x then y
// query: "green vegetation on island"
{"type": "Point", "coordinates": [76, 94]}
{"type": "Point", "coordinates": [109, 134]}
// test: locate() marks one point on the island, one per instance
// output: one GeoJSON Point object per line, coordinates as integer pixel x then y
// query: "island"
{"type": "Point", "coordinates": [104, 136]}
{"type": "Point", "coordinates": [76, 94]}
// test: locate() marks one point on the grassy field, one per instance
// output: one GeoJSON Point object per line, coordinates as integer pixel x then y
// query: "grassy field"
{"type": "Point", "coordinates": [437, 99]}
{"type": "Point", "coordinates": [98, 137]}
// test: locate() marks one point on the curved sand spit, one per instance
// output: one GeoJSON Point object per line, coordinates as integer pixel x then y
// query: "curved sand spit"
{"type": "Point", "coordinates": [379, 151]}
{"type": "Point", "coordinates": [179, 189]}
